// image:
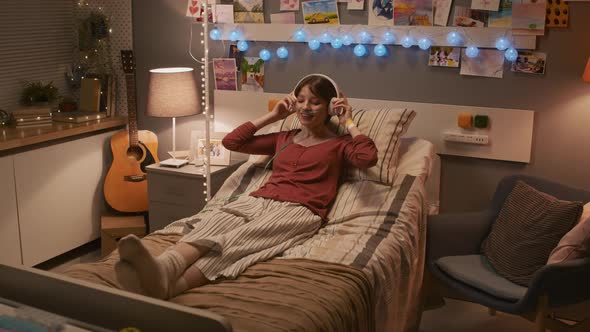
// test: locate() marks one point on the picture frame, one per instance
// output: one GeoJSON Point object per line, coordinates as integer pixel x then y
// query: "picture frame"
{"type": "Point", "coordinates": [220, 156]}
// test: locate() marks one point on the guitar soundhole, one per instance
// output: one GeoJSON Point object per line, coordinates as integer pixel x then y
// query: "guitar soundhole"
{"type": "Point", "coordinates": [134, 153]}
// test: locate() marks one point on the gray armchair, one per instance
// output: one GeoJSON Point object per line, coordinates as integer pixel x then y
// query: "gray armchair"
{"type": "Point", "coordinates": [454, 261]}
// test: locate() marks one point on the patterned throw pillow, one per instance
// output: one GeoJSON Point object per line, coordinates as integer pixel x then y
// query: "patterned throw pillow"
{"type": "Point", "coordinates": [529, 226]}
{"type": "Point", "coordinates": [385, 127]}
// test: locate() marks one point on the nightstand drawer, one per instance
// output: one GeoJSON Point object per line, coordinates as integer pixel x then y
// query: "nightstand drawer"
{"type": "Point", "coordinates": [162, 214]}
{"type": "Point", "coordinates": [169, 188]}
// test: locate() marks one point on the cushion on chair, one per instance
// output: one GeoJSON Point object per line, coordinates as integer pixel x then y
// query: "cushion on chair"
{"type": "Point", "coordinates": [475, 271]}
{"type": "Point", "coordinates": [385, 127]}
{"type": "Point", "coordinates": [576, 243]}
{"type": "Point", "coordinates": [528, 228]}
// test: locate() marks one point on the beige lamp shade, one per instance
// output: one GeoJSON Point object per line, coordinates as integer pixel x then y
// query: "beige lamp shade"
{"type": "Point", "coordinates": [172, 92]}
{"type": "Point", "coordinates": [586, 76]}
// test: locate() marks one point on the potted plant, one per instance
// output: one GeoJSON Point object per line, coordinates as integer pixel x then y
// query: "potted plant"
{"type": "Point", "coordinates": [67, 104]}
{"type": "Point", "coordinates": [36, 92]}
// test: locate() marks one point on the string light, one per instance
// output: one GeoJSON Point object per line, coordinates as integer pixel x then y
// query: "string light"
{"type": "Point", "coordinates": [424, 43]}
{"type": "Point", "coordinates": [502, 44]}
{"type": "Point", "coordinates": [380, 50]}
{"type": "Point", "coordinates": [264, 54]}
{"type": "Point", "coordinates": [313, 44]}
{"type": "Point", "coordinates": [325, 37]}
{"type": "Point", "coordinates": [360, 50]}
{"type": "Point", "coordinates": [300, 35]}
{"type": "Point", "coordinates": [282, 52]}
{"type": "Point", "coordinates": [215, 34]}
{"type": "Point", "coordinates": [471, 52]}
{"type": "Point", "coordinates": [407, 41]}
{"type": "Point", "coordinates": [243, 45]}
{"type": "Point", "coordinates": [336, 42]}
{"type": "Point", "coordinates": [511, 54]}
{"type": "Point", "coordinates": [365, 37]}
{"type": "Point", "coordinates": [454, 38]}
{"type": "Point", "coordinates": [388, 37]}
{"type": "Point", "coordinates": [347, 40]}
{"type": "Point", "coordinates": [234, 35]}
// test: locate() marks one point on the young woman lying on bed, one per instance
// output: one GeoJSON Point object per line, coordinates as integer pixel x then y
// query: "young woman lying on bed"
{"type": "Point", "coordinates": [288, 209]}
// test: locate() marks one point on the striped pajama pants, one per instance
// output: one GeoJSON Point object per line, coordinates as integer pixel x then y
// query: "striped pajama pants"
{"type": "Point", "coordinates": [248, 230]}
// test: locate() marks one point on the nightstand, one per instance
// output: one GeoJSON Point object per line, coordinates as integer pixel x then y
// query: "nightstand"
{"type": "Point", "coordinates": [176, 193]}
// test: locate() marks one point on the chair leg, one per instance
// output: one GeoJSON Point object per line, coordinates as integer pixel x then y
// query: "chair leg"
{"type": "Point", "coordinates": [492, 312]}
{"type": "Point", "coordinates": [541, 313]}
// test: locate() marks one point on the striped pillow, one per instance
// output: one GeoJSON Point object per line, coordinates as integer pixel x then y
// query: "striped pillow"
{"type": "Point", "coordinates": [529, 226]}
{"type": "Point", "coordinates": [385, 127]}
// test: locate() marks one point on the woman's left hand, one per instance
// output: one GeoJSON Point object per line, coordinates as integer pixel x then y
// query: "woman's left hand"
{"type": "Point", "coordinates": [343, 109]}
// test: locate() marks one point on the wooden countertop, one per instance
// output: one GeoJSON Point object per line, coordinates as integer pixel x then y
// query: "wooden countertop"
{"type": "Point", "coordinates": [11, 137]}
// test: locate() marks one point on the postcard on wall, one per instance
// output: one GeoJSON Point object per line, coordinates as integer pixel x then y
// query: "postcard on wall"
{"type": "Point", "coordinates": [529, 63]}
{"type": "Point", "coordinates": [528, 17]}
{"type": "Point", "coordinates": [223, 13]}
{"type": "Point", "coordinates": [445, 57]}
{"type": "Point", "coordinates": [381, 12]}
{"type": "Point", "coordinates": [224, 70]}
{"type": "Point", "coordinates": [194, 8]}
{"type": "Point", "coordinates": [283, 18]}
{"type": "Point", "coordinates": [252, 74]}
{"type": "Point", "coordinates": [413, 12]}
{"type": "Point", "coordinates": [249, 11]}
{"type": "Point", "coordinates": [235, 53]}
{"type": "Point", "coordinates": [491, 5]}
{"type": "Point", "coordinates": [488, 63]}
{"type": "Point", "coordinates": [442, 9]}
{"type": "Point", "coordinates": [320, 12]}
{"type": "Point", "coordinates": [557, 14]}
{"type": "Point", "coordinates": [468, 18]}
{"type": "Point", "coordinates": [503, 17]}
{"type": "Point", "coordinates": [356, 5]}
{"type": "Point", "coordinates": [289, 5]}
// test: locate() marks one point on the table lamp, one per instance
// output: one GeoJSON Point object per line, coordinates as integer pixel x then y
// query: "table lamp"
{"type": "Point", "coordinates": [172, 92]}
{"type": "Point", "coordinates": [586, 75]}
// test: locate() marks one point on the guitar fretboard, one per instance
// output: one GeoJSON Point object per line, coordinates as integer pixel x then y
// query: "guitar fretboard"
{"type": "Point", "coordinates": [131, 109]}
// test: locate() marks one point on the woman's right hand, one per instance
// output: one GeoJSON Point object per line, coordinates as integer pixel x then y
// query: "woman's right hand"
{"type": "Point", "coordinates": [284, 108]}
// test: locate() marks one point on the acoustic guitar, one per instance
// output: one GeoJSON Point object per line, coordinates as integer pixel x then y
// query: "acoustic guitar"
{"type": "Point", "coordinates": [125, 186]}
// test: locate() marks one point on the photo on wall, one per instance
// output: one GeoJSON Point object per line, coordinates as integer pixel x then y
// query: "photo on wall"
{"type": "Point", "coordinates": [530, 63]}
{"type": "Point", "coordinates": [503, 17]}
{"type": "Point", "coordinates": [224, 70]}
{"type": "Point", "coordinates": [528, 17]}
{"type": "Point", "coordinates": [444, 57]}
{"type": "Point", "coordinates": [381, 12]}
{"type": "Point", "coordinates": [320, 12]}
{"type": "Point", "coordinates": [249, 11]}
{"type": "Point", "coordinates": [413, 12]}
{"type": "Point", "coordinates": [469, 18]}
{"type": "Point", "coordinates": [488, 63]}
{"type": "Point", "coordinates": [252, 78]}
{"type": "Point", "coordinates": [289, 5]}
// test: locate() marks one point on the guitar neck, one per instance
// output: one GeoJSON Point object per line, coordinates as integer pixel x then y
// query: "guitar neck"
{"type": "Point", "coordinates": [131, 109]}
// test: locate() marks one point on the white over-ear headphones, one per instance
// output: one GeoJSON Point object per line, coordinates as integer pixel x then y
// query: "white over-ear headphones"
{"type": "Point", "coordinates": [331, 110]}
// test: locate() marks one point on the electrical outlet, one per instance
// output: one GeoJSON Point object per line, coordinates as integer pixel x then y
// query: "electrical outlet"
{"type": "Point", "coordinates": [450, 136]}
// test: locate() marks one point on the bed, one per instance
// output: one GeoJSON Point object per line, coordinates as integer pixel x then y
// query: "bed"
{"type": "Point", "coordinates": [361, 272]}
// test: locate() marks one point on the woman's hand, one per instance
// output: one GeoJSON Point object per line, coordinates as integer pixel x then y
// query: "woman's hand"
{"type": "Point", "coordinates": [343, 109]}
{"type": "Point", "coordinates": [284, 108]}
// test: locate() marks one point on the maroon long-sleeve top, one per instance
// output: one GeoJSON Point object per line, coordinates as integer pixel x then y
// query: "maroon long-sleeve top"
{"type": "Point", "coordinates": [305, 175]}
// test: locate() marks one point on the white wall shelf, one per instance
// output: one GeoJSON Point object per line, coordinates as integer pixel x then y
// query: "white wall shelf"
{"type": "Point", "coordinates": [480, 37]}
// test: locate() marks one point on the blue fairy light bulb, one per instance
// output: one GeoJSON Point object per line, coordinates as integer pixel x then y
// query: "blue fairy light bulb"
{"type": "Point", "coordinates": [234, 35]}
{"type": "Point", "coordinates": [365, 37]}
{"type": "Point", "coordinates": [407, 41]}
{"type": "Point", "coordinates": [360, 50]}
{"type": "Point", "coordinates": [502, 43]}
{"type": "Point", "coordinates": [300, 35]}
{"type": "Point", "coordinates": [215, 34]}
{"type": "Point", "coordinates": [313, 44]}
{"type": "Point", "coordinates": [471, 52]}
{"type": "Point", "coordinates": [264, 54]}
{"type": "Point", "coordinates": [454, 38]}
{"type": "Point", "coordinates": [282, 52]}
{"type": "Point", "coordinates": [336, 42]}
{"type": "Point", "coordinates": [380, 50]}
{"type": "Point", "coordinates": [243, 45]}
{"type": "Point", "coordinates": [511, 54]}
{"type": "Point", "coordinates": [388, 37]}
{"type": "Point", "coordinates": [424, 43]}
{"type": "Point", "coordinates": [325, 37]}
{"type": "Point", "coordinates": [347, 40]}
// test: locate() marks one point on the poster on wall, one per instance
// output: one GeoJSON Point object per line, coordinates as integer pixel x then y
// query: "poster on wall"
{"type": "Point", "coordinates": [249, 11]}
{"type": "Point", "coordinates": [289, 5]}
{"type": "Point", "coordinates": [320, 12]}
{"type": "Point", "coordinates": [381, 12]}
{"type": "Point", "coordinates": [412, 12]}
{"type": "Point", "coordinates": [223, 13]}
{"type": "Point", "coordinates": [529, 63]}
{"type": "Point", "coordinates": [444, 57]}
{"type": "Point", "coordinates": [528, 17]}
{"type": "Point", "coordinates": [503, 17]}
{"type": "Point", "coordinates": [252, 78]}
{"type": "Point", "coordinates": [488, 63]}
{"type": "Point", "coordinates": [469, 18]}
{"type": "Point", "coordinates": [224, 70]}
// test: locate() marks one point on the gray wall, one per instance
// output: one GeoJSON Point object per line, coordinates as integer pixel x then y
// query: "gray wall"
{"type": "Point", "coordinates": [561, 99]}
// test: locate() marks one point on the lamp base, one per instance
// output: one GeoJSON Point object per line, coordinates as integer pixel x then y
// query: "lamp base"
{"type": "Point", "coordinates": [173, 162]}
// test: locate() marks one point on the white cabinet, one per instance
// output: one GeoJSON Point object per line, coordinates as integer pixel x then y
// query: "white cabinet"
{"type": "Point", "coordinates": [58, 191]}
{"type": "Point", "coordinates": [9, 235]}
